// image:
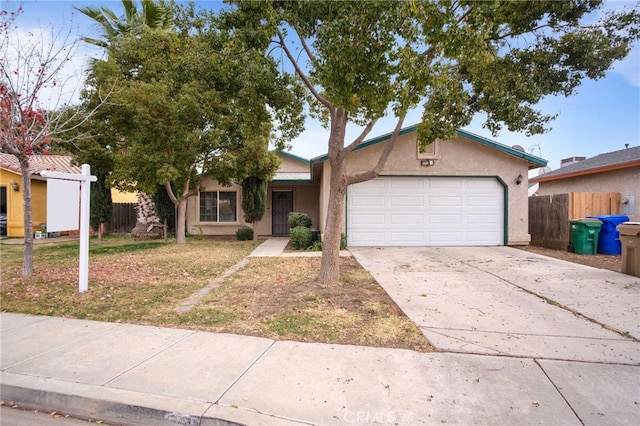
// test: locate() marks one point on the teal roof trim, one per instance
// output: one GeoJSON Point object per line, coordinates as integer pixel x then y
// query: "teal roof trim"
{"type": "Point", "coordinates": [292, 156]}
{"type": "Point", "coordinates": [492, 144]}
{"type": "Point", "coordinates": [487, 142]}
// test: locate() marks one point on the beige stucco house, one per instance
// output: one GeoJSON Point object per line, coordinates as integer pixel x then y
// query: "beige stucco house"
{"type": "Point", "coordinates": [617, 171]}
{"type": "Point", "coordinates": [465, 191]}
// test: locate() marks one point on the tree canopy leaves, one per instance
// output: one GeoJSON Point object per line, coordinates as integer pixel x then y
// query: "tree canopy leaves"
{"type": "Point", "coordinates": [454, 58]}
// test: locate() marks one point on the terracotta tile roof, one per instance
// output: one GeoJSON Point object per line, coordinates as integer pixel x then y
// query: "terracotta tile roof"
{"type": "Point", "coordinates": [628, 157]}
{"type": "Point", "coordinates": [38, 163]}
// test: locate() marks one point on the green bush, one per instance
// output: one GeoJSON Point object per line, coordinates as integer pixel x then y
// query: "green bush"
{"type": "Point", "coordinates": [316, 246]}
{"type": "Point", "coordinates": [300, 237]}
{"type": "Point", "coordinates": [295, 219]}
{"type": "Point", "coordinates": [244, 233]}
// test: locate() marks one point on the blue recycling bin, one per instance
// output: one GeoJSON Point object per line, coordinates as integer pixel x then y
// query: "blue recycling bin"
{"type": "Point", "coordinates": [609, 240]}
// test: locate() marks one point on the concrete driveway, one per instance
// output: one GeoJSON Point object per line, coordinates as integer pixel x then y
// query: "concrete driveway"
{"type": "Point", "coordinates": [505, 301]}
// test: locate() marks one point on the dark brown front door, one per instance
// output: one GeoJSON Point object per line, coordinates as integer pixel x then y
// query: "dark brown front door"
{"type": "Point", "coordinates": [281, 206]}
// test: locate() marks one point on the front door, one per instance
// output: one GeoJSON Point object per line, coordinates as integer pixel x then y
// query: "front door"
{"type": "Point", "coordinates": [281, 206]}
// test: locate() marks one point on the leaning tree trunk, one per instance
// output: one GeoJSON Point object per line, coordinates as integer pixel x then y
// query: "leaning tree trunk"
{"type": "Point", "coordinates": [148, 225]}
{"type": "Point", "coordinates": [27, 262]}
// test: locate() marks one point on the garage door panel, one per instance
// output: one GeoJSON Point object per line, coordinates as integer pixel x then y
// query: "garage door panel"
{"type": "Point", "coordinates": [481, 201]}
{"type": "Point", "coordinates": [445, 201]}
{"type": "Point", "coordinates": [446, 183]}
{"type": "Point", "coordinates": [483, 219]}
{"type": "Point", "coordinates": [369, 238]}
{"type": "Point", "coordinates": [445, 238]}
{"type": "Point", "coordinates": [369, 201]}
{"type": "Point", "coordinates": [370, 219]}
{"type": "Point", "coordinates": [440, 219]}
{"type": "Point", "coordinates": [483, 237]}
{"type": "Point", "coordinates": [406, 238]}
{"type": "Point", "coordinates": [425, 211]}
{"type": "Point", "coordinates": [406, 185]}
{"type": "Point", "coordinates": [406, 200]}
{"type": "Point", "coordinates": [406, 219]}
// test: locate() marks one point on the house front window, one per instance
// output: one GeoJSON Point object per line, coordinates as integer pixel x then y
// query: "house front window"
{"type": "Point", "coordinates": [218, 206]}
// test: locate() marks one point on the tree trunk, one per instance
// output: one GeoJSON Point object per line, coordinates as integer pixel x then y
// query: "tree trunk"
{"type": "Point", "coordinates": [27, 262]}
{"type": "Point", "coordinates": [255, 230]}
{"type": "Point", "coordinates": [148, 225]}
{"type": "Point", "coordinates": [181, 221]}
{"type": "Point", "coordinates": [330, 264]}
{"type": "Point", "coordinates": [100, 230]}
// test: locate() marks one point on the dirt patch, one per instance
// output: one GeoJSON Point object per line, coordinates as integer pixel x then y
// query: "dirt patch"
{"type": "Point", "coordinates": [602, 261]}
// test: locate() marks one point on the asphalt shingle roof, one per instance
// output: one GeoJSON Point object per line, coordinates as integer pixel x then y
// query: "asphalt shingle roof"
{"type": "Point", "coordinates": [38, 163]}
{"type": "Point", "coordinates": [594, 164]}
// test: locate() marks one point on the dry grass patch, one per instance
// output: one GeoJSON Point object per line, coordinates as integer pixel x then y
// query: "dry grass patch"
{"type": "Point", "coordinates": [143, 283]}
{"type": "Point", "coordinates": [279, 299]}
{"type": "Point", "coordinates": [138, 282]}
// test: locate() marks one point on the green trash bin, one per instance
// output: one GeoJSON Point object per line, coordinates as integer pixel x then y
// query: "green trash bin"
{"type": "Point", "coordinates": [584, 236]}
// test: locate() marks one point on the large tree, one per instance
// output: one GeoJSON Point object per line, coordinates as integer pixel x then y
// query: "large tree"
{"type": "Point", "coordinates": [31, 65]}
{"type": "Point", "coordinates": [361, 60]}
{"type": "Point", "coordinates": [188, 100]}
{"type": "Point", "coordinates": [151, 14]}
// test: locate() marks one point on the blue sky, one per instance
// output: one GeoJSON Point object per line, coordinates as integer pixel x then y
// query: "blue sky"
{"type": "Point", "coordinates": [602, 117]}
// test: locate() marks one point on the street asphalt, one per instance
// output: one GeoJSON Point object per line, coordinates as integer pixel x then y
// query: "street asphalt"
{"type": "Point", "coordinates": [521, 339]}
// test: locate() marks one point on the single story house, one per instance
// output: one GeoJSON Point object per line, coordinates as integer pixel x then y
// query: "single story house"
{"type": "Point", "coordinates": [461, 192]}
{"type": "Point", "coordinates": [617, 171]}
{"type": "Point", "coordinates": [11, 203]}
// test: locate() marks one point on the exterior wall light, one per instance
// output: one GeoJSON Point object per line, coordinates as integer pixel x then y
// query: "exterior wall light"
{"type": "Point", "coordinates": [427, 163]}
{"type": "Point", "coordinates": [15, 186]}
{"type": "Point", "coordinates": [519, 179]}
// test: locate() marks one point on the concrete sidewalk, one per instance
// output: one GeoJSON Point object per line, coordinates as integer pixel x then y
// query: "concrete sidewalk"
{"type": "Point", "coordinates": [139, 375]}
{"type": "Point", "coordinates": [142, 375]}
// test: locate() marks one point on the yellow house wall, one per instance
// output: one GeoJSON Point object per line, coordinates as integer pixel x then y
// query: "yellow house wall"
{"type": "Point", "coordinates": [118, 196]}
{"type": "Point", "coordinates": [457, 157]}
{"type": "Point", "coordinates": [15, 204]}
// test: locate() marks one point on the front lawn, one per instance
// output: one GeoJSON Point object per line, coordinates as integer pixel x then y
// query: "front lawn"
{"type": "Point", "coordinates": [144, 282]}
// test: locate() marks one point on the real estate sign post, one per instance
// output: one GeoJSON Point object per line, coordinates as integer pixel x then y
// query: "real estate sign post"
{"type": "Point", "coordinates": [62, 211]}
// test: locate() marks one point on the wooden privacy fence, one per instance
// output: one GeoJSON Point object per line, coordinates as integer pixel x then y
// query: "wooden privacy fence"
{"type": "Point", "coordinates": [549, 215]}
{"type": "Point", "coordinates": [123, 218]}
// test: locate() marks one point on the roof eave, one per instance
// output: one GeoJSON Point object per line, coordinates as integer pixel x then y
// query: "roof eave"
{"type": "Point", "coordinates": [292, 156]}
{"type": "Point", "coordinates": [577, 173]}
{"type": "Point", "coordinates": [534, 161]}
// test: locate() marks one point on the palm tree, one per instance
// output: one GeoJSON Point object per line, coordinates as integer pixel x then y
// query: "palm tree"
{"type": "Point", "coordinates": [152, 15]}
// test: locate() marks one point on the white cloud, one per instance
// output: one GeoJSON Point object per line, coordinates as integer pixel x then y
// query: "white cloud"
{"type": "Point", "coordinates": [26, 48]}
{"type": "Point", "coordinates": [629, 67]}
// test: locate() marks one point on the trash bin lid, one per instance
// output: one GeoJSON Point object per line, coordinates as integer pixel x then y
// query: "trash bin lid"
{"type": "Point", "coordinates": [589, 223]}
{"type": "Point", "coordinates": [612, 218]}
{"type": "Point", "coordinates": [629, 228]}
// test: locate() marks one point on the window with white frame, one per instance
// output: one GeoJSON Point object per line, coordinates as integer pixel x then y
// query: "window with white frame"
{"type": "Point", "coordinates": [218, 206]}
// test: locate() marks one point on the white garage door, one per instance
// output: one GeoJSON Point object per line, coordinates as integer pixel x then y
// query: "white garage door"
{"type": "Point", "coordinates": [417, 211]}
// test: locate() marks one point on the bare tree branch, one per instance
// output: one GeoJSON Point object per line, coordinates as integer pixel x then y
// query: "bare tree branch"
{"type": "Point", "coordinates": [302, 75]}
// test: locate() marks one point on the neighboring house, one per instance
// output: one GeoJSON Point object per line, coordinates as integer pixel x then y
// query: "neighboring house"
{"type": "Point", "coordinates": [11, 203]}
{"type": "Point", "coordinates": [465, 191]}
{"type": "Point", "coordinates": [617, 171]}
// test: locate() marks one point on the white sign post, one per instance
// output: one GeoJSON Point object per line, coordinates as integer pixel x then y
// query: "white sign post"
{"type": "Point", "coordinates": [58, 212]}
